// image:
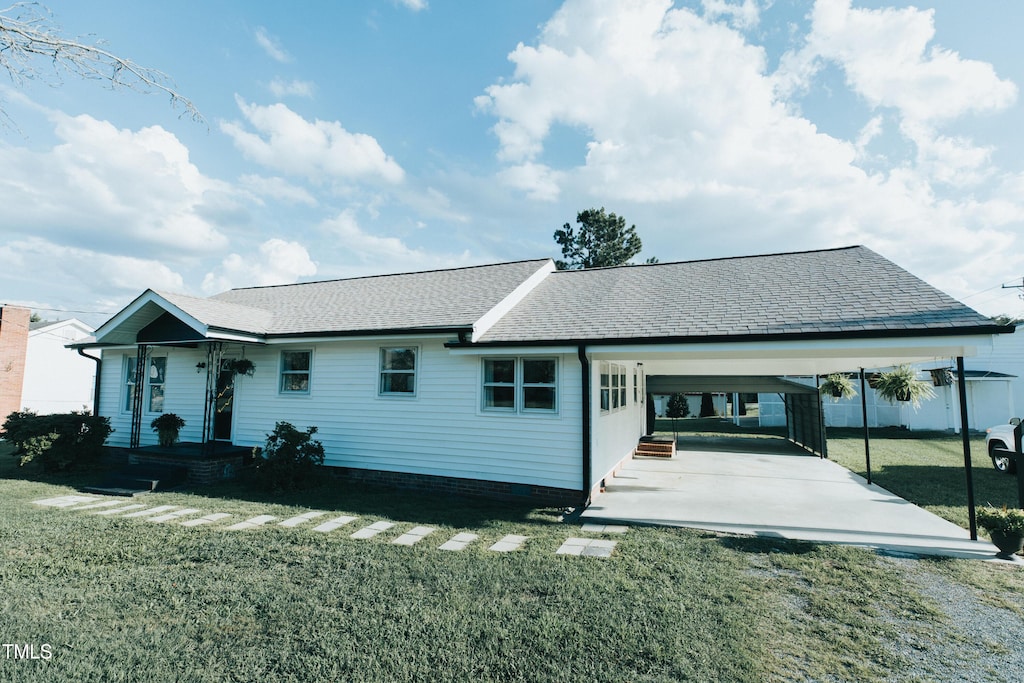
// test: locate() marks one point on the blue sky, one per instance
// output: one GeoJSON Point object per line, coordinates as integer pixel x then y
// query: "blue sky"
{"type": "Point", "coordinates": [355, 138]}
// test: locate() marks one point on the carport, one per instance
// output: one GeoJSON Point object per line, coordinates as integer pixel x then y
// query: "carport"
{"type": "Point", "coordinates": [771, 488]}
{"type": "Point", "coordinates": [749, 318]}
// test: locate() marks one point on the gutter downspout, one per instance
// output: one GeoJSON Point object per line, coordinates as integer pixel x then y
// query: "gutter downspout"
{"type": "Point", "coordinates": [96, 380]}
{"type": "Point", "coordinates": [587, 465]}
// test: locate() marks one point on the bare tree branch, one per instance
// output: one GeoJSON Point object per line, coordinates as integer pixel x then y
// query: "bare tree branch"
{"type": "Point", "coordinates": [28, 38]}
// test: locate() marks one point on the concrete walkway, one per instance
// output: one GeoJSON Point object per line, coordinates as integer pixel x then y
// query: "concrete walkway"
{"type": "Point", "coordinates": [777, 491]}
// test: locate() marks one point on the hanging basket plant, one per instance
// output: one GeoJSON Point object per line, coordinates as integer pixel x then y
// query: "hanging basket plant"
{"type": "Point", "coordinates": [902, 385]}
{"type": "Point", "coordinates": [837, 385]}
{"type": "Point", "coordinates": [242, 366]}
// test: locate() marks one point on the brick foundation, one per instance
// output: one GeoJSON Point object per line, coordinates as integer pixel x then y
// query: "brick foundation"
{"type": "Point", "coordinates": [426, 483]}
{"type": "Point", "coordinates": [200, 471]}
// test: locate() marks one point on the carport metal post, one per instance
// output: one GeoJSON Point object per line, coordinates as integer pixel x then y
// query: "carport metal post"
{"type": "Point", "coordinates": [864, 414]}
{"type": "Point", "coordinates": [962, 386]}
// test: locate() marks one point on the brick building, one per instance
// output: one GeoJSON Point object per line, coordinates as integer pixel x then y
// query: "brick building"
{"type": "Point", "coordinates": [14, 324]}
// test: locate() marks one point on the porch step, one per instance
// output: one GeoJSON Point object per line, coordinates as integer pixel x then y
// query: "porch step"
{"type": "Point", "coordinates": [652, 447]}
{"type": "Point", "coordinates": [135, 479]}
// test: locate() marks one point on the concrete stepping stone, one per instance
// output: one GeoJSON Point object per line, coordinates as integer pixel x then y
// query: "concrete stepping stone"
{"type": "Point", "coordinates": [458, 541]}
{"type": "Point", "coordinates": [151, 511]}
{"type": "Point", "coordinates": [301, 519]}
{"type": "Point", "coordinates": [65, 501]}
{"type": "Point", "coordinates": [116, 511]}
{"type": "Point", "coordinates": [252, 522]}
{"type": "Point", "coordinates": [605, 528]}
{"type": "Point", "coordinates": [332, 524]}
{"type": "Point", "coordinates": [587, 547]}
{"type": "Point", "coordinates": [174, 515]}
{"type": "Point", "coordinates": [206, 519]}
{"type": "Point", "coordinates": [372, 530]}
{"type": "Point", "coordinates": [414, 535]}
{"type": "Point", "coordinates": [509, 543]}
{"type": "Point", "coordinates": [101, 504]}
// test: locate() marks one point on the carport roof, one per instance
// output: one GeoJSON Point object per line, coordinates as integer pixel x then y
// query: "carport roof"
{"type": "Point", "coordinates": [829, 294]}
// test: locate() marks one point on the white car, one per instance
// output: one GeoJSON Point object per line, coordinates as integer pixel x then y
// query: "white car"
{"type": "Point", "coordinates": [1001, 436]}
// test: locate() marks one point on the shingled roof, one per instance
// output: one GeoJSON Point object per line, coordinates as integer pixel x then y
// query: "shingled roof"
{"type": "Point", "coordinates": [832, 293]}
{"type": "Point", "coordinates": [429, 300]}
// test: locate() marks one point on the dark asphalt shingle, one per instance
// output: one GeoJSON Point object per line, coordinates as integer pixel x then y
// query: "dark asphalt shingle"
{"type": "Point", "coordinates": [832, 292]}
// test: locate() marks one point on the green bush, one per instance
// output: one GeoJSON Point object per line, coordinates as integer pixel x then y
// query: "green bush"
{"type": "Point", "coordinates": [57, 442]}
{"type": "Point", "coordinates": [289, 460]}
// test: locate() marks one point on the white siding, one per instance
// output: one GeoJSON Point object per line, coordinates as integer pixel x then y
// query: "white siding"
{"type": "Point", "coordinates": [615, 432]}
{"type": "Point", "coordinates": [442, 430]}
{"type": "Point", "coordinates": [183, 394]}
{"type": "Point", "coordinates": [57, 379]}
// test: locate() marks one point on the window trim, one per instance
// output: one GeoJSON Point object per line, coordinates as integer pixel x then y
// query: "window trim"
{"type": "Point", "coordinates": [381, 372]}
{"type": "Point", "coordinates": [519, 385]}
{"type": "Point", "coordinates": [281, 373]}
{"type": "Point", "coordinates": [613, 385]}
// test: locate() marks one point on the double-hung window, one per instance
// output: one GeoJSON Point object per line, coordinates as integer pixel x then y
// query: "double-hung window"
{"type": "Point", "coordinates": [157, 377]}
{"type": "Point", "coordinates": [295, 368]}
{"type": "Point", "coordinates": [398, 371]}
{"type": "Point", "coordinates": [129, 383]}
{"type": "Point", "coordinates": [528, 385]}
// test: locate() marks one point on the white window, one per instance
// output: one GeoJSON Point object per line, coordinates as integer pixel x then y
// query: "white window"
{"type": "Point", "coordinates": [157, 378]}
{"type": "Point", "coordinates": [500, 384]}
{"type": "Point", "coordinates": [615, 386]}
{"type": "Point", "coordinates": [295, 366]}
{"type": "Point", "coordinates": [398, 371]}
{"type": "Point", "coordinates": [129, 383]}
{"type": "Point", "coordinates": [528, 385]}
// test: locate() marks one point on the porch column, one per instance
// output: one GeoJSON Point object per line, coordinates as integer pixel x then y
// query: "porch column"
{"type": "Point", "coordinates": [864, 414]}
{"type": "Point", "coordinates": [138, 396]}
{"type": "Point", "coordinates": [966, 437]}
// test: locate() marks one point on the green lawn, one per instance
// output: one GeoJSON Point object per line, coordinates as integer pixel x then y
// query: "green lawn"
{"type": "Point", "coordinates": [126, 600]}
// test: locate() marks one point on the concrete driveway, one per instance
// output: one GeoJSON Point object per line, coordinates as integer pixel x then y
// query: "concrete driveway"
{"type": "Point", "coordinates": [768, 487]}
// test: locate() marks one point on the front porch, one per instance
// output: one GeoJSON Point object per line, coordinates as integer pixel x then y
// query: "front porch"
{"type": "Point", "coordinates": [206, 463]}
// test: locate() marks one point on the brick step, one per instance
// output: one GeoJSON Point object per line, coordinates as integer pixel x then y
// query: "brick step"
{"type": "Point", "coordinates": [649, 448]}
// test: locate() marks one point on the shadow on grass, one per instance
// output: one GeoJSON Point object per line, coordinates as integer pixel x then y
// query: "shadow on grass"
{"type": "Point", "coordinates": [329, 494]}
{"type": "Point", "coordinates": [938, 485]}
{"type": "Point", "coordinates": [765, 545]}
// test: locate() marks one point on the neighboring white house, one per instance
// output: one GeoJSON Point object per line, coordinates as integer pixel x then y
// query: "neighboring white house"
{"type": "Point", "coordinates": [507, 379]}
{"type": "Point", "coordinates": [995, 393]}
{"type": "Point", "coordinates": [57, 379]}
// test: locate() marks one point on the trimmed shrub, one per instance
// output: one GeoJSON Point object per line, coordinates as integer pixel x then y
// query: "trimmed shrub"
{"type": "Point", "coordinates": [57, 442]}
{"type": "Point", "coordinates": [289, 460]}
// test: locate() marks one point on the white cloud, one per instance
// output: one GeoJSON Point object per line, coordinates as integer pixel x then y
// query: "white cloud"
{"type": "Point", "coordinates": [688, 128]}
{"type": "Point", "coordinates": [318, 150]}
{"type": "Point", "coordinates": [280, 88]}
{"type": "Point", "coordinates": [538, 181]}
{"type": "Point", "coordinates": [271, 46]}
{"type": "Point", "coordinates": [110, 188]}
{"type": "Point", "coordinates": [886, 56]}
{"type": "Point", "coordinates": [277, 188]}
{"type": "Point", "coordinates": [743, 15]}
{"type": "Point", "coordinates": [88, 269]}
{"type": "Point", "coordinates": [414, 5]}
{"type": "Point", "coordinates": [360, 252]}
{"type": "Point", "coordinates": [277, 262]}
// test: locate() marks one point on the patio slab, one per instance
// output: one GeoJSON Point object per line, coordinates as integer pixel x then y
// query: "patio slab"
{"type": "Point", "coordinates": [772, 492]}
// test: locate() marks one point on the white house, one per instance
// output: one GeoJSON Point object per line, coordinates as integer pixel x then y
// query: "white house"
{"type": "Point", "coordinates": [57, 379]}
{"type": "Point", "coordinates": [507, 379]}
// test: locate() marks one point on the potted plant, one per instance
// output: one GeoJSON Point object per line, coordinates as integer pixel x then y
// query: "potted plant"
{"type": "Point", "coordinates": [837, 385]}
{"type": "Point", "coordinates": [901, 384]}
{"type": "Point", "coordinates": [167, 427]}
{"type": "Point", "coordinates": [1005, 527]}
